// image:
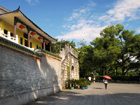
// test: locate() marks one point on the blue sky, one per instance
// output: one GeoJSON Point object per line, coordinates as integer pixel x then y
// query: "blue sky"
{"type": "Point", "coordinates": [78, 19]}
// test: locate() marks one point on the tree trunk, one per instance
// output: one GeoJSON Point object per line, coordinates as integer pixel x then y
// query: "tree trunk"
{"type": "Point", "coordinates": [116, 71]}
{"type": "Point", "coordinates": [123, 73]}
{"type": "Point", "coordinates": [106, 72]}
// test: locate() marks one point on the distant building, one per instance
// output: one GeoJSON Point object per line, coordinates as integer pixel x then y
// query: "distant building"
{"type": "Point", "coordinates": [18, 28]}
{"type": "Point", "coordinates": [69, 65]}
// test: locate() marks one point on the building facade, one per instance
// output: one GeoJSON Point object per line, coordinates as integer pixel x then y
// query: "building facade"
{"type": "Point", "coordinates": [17, 27]}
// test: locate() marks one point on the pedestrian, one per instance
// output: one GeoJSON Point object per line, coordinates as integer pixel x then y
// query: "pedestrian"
{"type": "Point", "coordinates": [94, 79]}
{"type": "Point", "coordinates": [89, 78]}
{"type": "Point", "coordinates": [105, 82]}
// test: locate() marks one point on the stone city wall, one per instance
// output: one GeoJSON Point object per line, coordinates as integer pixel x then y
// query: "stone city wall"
{"type": "Point", "coordinates": [24, 78]}
{"type": "Point", "coordinates": [69, 66]}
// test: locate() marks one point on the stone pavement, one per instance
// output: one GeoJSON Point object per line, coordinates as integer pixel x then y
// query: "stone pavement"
{"type": "Point", "coordinates": [116, 94]}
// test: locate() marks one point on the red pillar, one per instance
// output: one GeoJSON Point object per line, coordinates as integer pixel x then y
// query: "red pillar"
{"type": "Point", "coordinates": [15, 28]}
{"type": "Point", "coordinates": [44, 45]}
{"type": "Point", "coordinates": [28, 38]}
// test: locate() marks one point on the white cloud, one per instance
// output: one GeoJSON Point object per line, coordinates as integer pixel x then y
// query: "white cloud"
{"type": "Point", "coordinates": [81, 25]}
{"type": "Point", "coordinates": [87, 33]}
{"type": "Point", "coordinates": [29, 1]}
{"type": "Point", "coordinates": [83, 30]}
{"type": "Point", "coordinates": [32, 2]}
{"type": "Point", "coordinates": [77, 13]}
{"type": "Point", "coordinates": [138, 30]}
{"type": "Point", "coordinates": [91, 3]}
{"type": "Point", "coordinates": [74, 15]}
{"type": "Point", "coordinates": [124, 9]}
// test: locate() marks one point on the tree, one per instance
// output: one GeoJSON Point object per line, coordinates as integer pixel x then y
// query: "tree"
{"type": "Point", "coordinates": [106, 48]}
{"type": "Point", "coordinates": [56, 47]}
{"type": "Point", "coordinates": [85, 60]}
{"type": "Point", "coordinates": [117, 48]}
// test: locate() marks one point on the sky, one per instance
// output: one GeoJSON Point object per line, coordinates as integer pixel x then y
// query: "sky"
{"type": "Point", "coordinates": [77, 20]}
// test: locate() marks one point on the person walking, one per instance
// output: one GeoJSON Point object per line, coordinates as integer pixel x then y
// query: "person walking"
{"type": "Point", "coordinates": [94, 80]}
{"type": "Point", "coordinates": [89, 78]}
{"type": "Point", "coordinates": [105, 82]}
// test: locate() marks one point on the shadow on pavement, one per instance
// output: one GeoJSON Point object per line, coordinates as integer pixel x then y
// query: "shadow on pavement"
{"type": "Point", "coordinates": [74, 98]}
{"type": "Point", "coordinates": [97, 88]}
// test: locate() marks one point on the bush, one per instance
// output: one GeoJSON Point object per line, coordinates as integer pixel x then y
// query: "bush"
{"type": "Point", "coordinates": [76, 83]}
{"type": "Point", "coordinates": [126, 78]}
{"type": "Point", "coordinates": [83, 84]}
{"type": "Point", "coordinates": [73, 83]}
{"type": "Point", "coordinates": [121, 78]}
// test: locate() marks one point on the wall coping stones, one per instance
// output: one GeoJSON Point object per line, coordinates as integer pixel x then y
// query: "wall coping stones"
{"type": "Point", "coordinates": [51, 53]}
{"type": "Point", "coordinates": [18, 47]}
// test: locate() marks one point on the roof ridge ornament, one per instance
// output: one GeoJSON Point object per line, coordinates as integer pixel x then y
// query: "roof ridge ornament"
{"type": "Point", "coordinates": [18, 8]}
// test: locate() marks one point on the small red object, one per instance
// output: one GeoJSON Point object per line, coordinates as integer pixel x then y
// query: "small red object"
{"type": "Point", "coordinates": [107, 77]}
{"type": "Point", "coordinates": [33, 33]}
{"type": "Point", "coordinates": [22, 27]}
{"type": "Point", "coordinates": [46, 42]}
{"type": "Point", "coordinates": [40, 38]}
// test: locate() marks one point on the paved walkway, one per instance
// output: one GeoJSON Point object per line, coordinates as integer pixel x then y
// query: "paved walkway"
{"type": "Point", "coordinates": [116, 94]}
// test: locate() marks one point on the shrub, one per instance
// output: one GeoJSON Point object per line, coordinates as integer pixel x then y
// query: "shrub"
{"type": "Point", "coordinates": [121, 78]}
{"type": "Point", "coordinates": [83, 84]}
{"type": "Point", "coordinates": [73, 83]}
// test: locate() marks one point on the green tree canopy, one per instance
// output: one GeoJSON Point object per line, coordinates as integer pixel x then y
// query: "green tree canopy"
{"type": "Point", "coordinates": [85, 60]}
{"type": "Point", "coordinates": [56, 47]}
{"type": "Point", "coordinates": [117, 47]}
{"type": "Point", "coordinates": [116, 51]}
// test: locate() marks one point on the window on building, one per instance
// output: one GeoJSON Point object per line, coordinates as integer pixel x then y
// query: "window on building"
{"type": "Point", "coordinates": [25, 36]}
{"type": "Point", "coordinates": [26, 43]}
{"type": "Point", "coordinates": [72, 68]}
{"type": "Point", "coordinates": [36, 46]}
{"type": "Point", "coordinates": [72, 60]}
{"type": "Point", "coordinates": [30, 44]}
{"type": "Point", "coordinates": [12, 34]}
{"type": "Point", "coordinates": [21, 40]}
{"type": "Point", "coordinates": [5, 31]}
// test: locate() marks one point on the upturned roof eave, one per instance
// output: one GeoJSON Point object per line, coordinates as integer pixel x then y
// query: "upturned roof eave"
{"type": "Point", "coordinates": [4, 9]}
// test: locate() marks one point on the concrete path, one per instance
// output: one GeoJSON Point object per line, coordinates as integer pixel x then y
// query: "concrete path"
{"type": "Point", "coordinates": [116, 94]}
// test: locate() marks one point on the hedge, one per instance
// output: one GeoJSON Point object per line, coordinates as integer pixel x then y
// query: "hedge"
{"type": "Point", "coordinates": [121, 78]}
